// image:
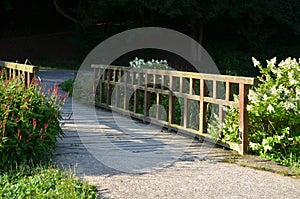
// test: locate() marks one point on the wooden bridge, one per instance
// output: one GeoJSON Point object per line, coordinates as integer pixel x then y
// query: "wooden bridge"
{"type": "Point", "coordinates": [178, 100]}
{"type": "Point", "coordinates": [184, 101]}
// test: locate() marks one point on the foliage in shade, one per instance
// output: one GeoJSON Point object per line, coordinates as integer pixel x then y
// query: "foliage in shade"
{"type": "Point", "coordinates": [67, 86]}
{"type": "Point", "coordinates": [29, 121]}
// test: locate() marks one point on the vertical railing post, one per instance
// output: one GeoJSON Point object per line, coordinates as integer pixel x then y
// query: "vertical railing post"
{"type": "Point", "coordinates": [214, 89]}
{"type": "Point", "coordinates": [109, 77]}
{"type": "Point", "coordinates": [186, 112]}
{"type": "Point", "coordinates": [181, 84]}
{"type": "Point", "coordinates": [117, 89]}
{"type": "Point", "coordinates": [146, 102]}
{"type": "Point", "coordinates": [95, 82]}
{"type": "Point", "coordinates": [191, 87]}
{"type": "Point", "coordinates": [126, 79]}
{"type": "Point", "coordinates": [13, 73]}
{"type": "Point", "coordinates": [28, 78]}
{"type": "Point", "coordinates": [203, 107]}
{"type": "Point", "coordinates": [171, 103]}
{"type": "Point", "coordinates": [221, 115]}
{"type": "Point", "coordinates": [228, 92]}
{"type": "Point", "coordinates": [158, 106]}
{"type": "Point", "coordinates": [101, 79]}
{"type": "Point", "coordinates": [243, 118]}
{"type": "Point", "coordinates": [136, 100]}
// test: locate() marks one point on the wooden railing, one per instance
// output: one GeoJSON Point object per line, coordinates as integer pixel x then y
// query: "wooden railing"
{"type": "Point", "coordinates": [187, 98]}
{"type": "Point", "coordinates": [14, 69]}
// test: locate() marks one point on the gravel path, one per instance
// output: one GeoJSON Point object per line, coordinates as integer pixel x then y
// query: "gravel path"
{"type": "Point", "coordinates": [187, 178]}
{"type": "Point", "coordinates": [198, 179]}
{"type": "Point", "coordinates": [191, 176]}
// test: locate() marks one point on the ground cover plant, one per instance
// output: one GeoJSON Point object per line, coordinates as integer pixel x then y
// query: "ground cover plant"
{"type": "Point", "coordinates": [40, 181]}
{"type": "Point", "coordinates": [274, 113]}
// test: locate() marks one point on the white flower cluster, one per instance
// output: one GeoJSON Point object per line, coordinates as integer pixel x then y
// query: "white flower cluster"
{"type": "Point", "coordinates": [154, 64]}
{"type": "Point", "coordinates": [255, 62]}
{"type": "Point", "coordinates": [253, 146]}
{"type": "Point", "coordinates": [270, 108]}
{"type": "Point", "coordinates": [280, 90]}
{"type": "Point", "coordinates": [298, 94]}
{"type": "Point", "coordinates": [271, 65]}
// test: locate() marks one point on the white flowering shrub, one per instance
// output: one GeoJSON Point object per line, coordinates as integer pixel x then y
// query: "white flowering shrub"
{"type": "Point", "coordinates": [274, 113]}
{"type": "Point", "coordinates": [153, 64]}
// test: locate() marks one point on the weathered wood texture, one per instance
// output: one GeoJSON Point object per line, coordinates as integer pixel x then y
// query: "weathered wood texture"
{"type": "Point", "coordinates": [14, 70]}
{"type": "Point", "coordinates": [205, 95]}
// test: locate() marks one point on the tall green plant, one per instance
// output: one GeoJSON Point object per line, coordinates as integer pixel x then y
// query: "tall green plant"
{"type": "Point", "coordinates": [29, 122]}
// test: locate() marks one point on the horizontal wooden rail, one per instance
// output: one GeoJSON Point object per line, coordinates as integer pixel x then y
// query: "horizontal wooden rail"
{"type": "Point", "coordinates": [199, 96]}
{"type": "Point", "coordinates": [14, 69]}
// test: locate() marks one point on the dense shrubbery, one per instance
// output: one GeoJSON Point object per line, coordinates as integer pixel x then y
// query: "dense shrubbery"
{"type": "Point", "coordinates": [274, 113]}
{"type": "Point", "coordinates": [29, 122]}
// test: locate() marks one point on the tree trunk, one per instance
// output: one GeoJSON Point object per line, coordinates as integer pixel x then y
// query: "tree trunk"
{"type": "Point", "coordinates": [200, 31]}
{"type": "Point", "coordinates": [142, 17]}
{"type": "Point", "coordinates": [197, 30]}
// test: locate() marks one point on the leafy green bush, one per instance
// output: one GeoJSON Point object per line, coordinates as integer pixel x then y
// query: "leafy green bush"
{"type": "Point", "coordinates": [43, 182]}
{"type": "Point", "coordinates": [29, 122]}
{"type": "Point", "coordinates": [67, 86]}
{"type": "Point", "coordinates": [274, 113]}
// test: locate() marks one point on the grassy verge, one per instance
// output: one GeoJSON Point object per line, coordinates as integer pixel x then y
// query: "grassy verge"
{"type": "Point", "coordinates": [43, 182]}
{"type": "Point", "coordinates": [258, 163]}
{"type": "Point", "coordinates": [59, 67]}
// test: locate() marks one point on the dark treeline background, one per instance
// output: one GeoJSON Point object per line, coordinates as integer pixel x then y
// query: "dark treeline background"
{"type": "Point", "coordinates": [62, 32]}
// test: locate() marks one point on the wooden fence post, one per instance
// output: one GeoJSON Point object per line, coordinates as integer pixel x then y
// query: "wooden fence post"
{"type": "Point", "coordinates": [203, 107]}
{"type": "Point", "coordinates": [95, 77]}
{"type": "Point", "coordinates": [109, 90]}
{"type": "Point", "coordinates": [146, 98]}
{"type": "Point", "coordinates": [126, 90]}
{"type": "Point", "coordinates": [171, 103]}
{"type": "Point", "coordinates": [243, 118]}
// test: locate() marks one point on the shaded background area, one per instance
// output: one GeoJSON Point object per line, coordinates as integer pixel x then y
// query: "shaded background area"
{"type": "Point", "coordinates": [60, 33]}
{"type": "Point", "coordinates": [55, 49]}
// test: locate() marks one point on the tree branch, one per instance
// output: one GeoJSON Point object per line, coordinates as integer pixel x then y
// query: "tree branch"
{"type": "Point", "coordinates": [66, 15]}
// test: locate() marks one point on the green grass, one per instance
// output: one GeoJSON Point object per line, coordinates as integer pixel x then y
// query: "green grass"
{"type": "Point", "coordinates": [43, 182]}
{"type": "Point", "coordinates": [55, 67]}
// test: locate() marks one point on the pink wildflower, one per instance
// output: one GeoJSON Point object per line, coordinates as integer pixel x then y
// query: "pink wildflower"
{"type": "Point", "coordinates": [34, 123]}
{"type": "Point", "coordinates": [19, 134]}
{"type": "Point", "coordinates": [46, 126]}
